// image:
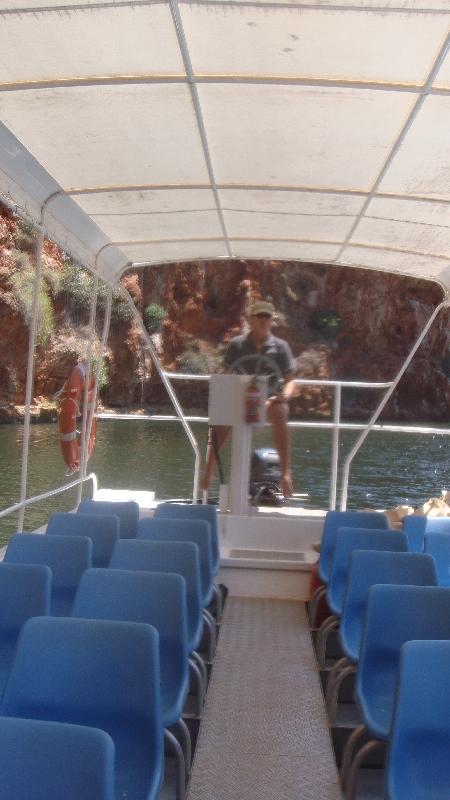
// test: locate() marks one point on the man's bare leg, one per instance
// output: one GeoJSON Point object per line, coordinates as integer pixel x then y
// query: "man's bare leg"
{"type": "Point", "coordinates": [221, 433]}
{"type": "Point", "coordinates": [278, 415]}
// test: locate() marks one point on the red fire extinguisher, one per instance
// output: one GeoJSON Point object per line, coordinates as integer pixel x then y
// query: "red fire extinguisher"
{"type": "Point", "coordinates": [252, 400]}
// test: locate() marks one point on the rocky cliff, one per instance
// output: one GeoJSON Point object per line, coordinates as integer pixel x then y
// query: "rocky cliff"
{"type": "Point", "coordinates": [341, 323]}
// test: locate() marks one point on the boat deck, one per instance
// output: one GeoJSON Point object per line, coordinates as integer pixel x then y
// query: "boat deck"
{"type": "Point", "coordinates": [264, 730]}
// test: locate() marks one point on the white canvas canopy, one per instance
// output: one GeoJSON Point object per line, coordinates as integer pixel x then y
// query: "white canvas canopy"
{"type": "Point", "coordinates": [170, 131]}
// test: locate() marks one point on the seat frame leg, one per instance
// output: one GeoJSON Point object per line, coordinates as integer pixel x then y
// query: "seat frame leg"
{"type": "Point", "coordinates": [350, 786]}
{"type": "Point", "coordinates": [200, 686]}
{"type": "Point", "coordinates": [175, 747]}
{"type": "Point", "coordinates": [181, 731]}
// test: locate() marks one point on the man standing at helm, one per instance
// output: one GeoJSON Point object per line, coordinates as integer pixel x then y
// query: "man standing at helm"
{"type": "Point", "coordinates": [261, 342]}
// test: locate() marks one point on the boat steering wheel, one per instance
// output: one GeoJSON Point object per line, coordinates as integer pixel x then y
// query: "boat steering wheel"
{"type": "Point", "coordinates": [256, 365]}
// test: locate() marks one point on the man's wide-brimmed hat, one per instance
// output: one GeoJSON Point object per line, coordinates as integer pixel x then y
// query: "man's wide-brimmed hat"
{"type": "Point", "coordinates": [262, 307]}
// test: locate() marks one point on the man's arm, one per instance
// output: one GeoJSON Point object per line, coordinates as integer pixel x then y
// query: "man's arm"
{"type": "Point", "coordinates": [285, 392]}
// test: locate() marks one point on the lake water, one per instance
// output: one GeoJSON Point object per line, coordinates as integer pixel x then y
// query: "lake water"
{"type": "Point", "coordinates": [391, 468]}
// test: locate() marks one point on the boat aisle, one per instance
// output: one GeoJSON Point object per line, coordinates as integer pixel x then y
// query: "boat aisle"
{"type": "Point", "coordinates": [264, 732]}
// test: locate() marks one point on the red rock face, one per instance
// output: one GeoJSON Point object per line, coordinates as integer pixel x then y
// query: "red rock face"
{"type": "Point", "coordinates": [341, 323]}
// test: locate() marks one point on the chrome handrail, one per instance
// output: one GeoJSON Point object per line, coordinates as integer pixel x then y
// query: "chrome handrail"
{"type": "Point", "coordinates": [336, 425]}
{"type": "Point", "coordinates": [59, 490]}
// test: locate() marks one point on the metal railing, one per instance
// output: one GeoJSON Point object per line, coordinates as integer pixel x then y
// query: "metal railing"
{"type": "Point", "coordinates": [51, 493]}
{"type": "Point", "coordinates": [335, 425]}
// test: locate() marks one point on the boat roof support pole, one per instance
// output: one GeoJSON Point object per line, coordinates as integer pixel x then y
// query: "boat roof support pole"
{"type": "Point", "coordinates": [382, 404]}
{"type": "Point", "coordinates": [98, 366]}
{"type": "Point", "coordinates": [335, 446]}
{"type": "Point", "coordinates": [39, 242]}
{"type": "Point", "coordinates": [170, 391]}
{"type": "Point", "coordinates": [85, 428]}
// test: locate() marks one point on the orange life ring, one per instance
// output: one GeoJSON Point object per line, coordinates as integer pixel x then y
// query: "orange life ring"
{"type": "Point", "coordinates": [70, 408]}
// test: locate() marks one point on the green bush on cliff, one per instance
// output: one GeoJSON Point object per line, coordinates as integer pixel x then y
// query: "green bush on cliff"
{"type": "Point", "coordinates": [103, 377]}
{"type": "Point", "coordinates": [194, 363]}
{"type": "Point", "coordinates": [23, 288]}
{"type": "Point", "coordinates": [75, 286]}
{"type": "Point", "coordinates": [24, 236]}
{"type": "Point", "coordinates": [154, 316]}
{"type": "Point", "coordinates": [327, 321]}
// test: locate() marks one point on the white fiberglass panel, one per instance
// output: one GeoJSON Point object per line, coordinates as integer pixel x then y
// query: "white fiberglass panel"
{"type": "Point", "coordinates": [406, 263]}
{"type": "Point", "coordinates": [142, 226]}
{"type": "Point", "coordinates": [423, 6]}
{"type": "Point", "coordinates": [282, 225]}
{"type": "Point", "coordinates": [443, 77]}
{"type": "Point", "coordinates": [420, 225]}
{"type": "Point", "coordinates": [422, 165]}
{"type": "Point", "coordinates": [146, 201]}
{"type": "Point", "coordinates": [312, 43]}
{"type": "Point", "coordinates": [166, 252]}
{"type": "Point", "coordinates": [110, 135]}
{"type": "Point", "coordinates": [274, 250]}
{"type": "Point", "coordinates": [291, 202]}
{"type": "Point", "coordinates": [35, 5]}
{"type": "Point", "coordinates": [426, 212]}
{"type": "Point", "coordinates": [88, 43]}
{"type": "Point", "coordinates": [292, 135]}
{"type": "Point", "coordinates": [422, 238]}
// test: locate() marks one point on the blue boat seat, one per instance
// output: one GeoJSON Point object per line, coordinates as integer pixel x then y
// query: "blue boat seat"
{"type": "Point", "coordinates": [347, 540]}
{"type": "Point", "coordinates": [340, 519]}
{"type": "Point", "coordinates": [127, 511]}
{"type": "Point", "coordinates": [438, 546]}
{"type": "Point", "coordinates": [67, 557]}
{"type": "Point", "coordinates": [24, 593]}
{"type": "Point", "coordinates": [99, 674]}
{"type": "Point", "coordinates": [182, 558]}
{"type": "Point", "coordinates": [418, 763]}
{"type": "Point", "coordinates": [179, 557]}
{"type": "Point", "coordinates": [333, 521]}
{"type": "Point", "coordinates": [103, 530]}
{"type": "Point", "coordinates": [159, 600]}
{"type": "Point", "coordinates": [182, 530]}
{"type": "Point", "coordinates": [42, 760]}
{"type": "Point", "coordinates": [416, 527]}
{"type": "Point", "coordinates": [208, 513]}
{"type": "Point", "coordinates": [369, 567]}
{"type": "Point", "coordinates": [155, 598]}
{"type": "Point", "coordinates": [413, 612]}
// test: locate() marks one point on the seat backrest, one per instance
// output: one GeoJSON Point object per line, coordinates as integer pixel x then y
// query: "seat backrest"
{"type": "Point", "coordinates": [347, 540]}
{"type": "Point", "coordinates": [368, 567]}
{"type": "Point", "coordinates": [194, 511]}
{"type": "Point", "coordinates": [126, 510]}
{"type": "Point", "coordinates": [24, 592]}
{"type": "Point", "coordinates": [183, 530]}
{"type": "Point", "coordinates": [395, 615]}
{"type": "Point", "coordinates": [89, 672]}
{"type": "Point", "coordinates": [51, 760]}
{"type": "Point", "coordinates": [438, 546]}
{"type": "Point", "coordinates": [67, 557]}
{"type": "Point", "coordinates": [103, 530]}
{"type": "Point", "coordinates": [414, 528]}
{"type": "Point", "coordinates": [155, 598]}
{"type": "Point", "coordinates": [338, 519]}
{"type": "Point", "coordinates": [417, 762]}
{"type": "Point", "coordinates": [174, 557]}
